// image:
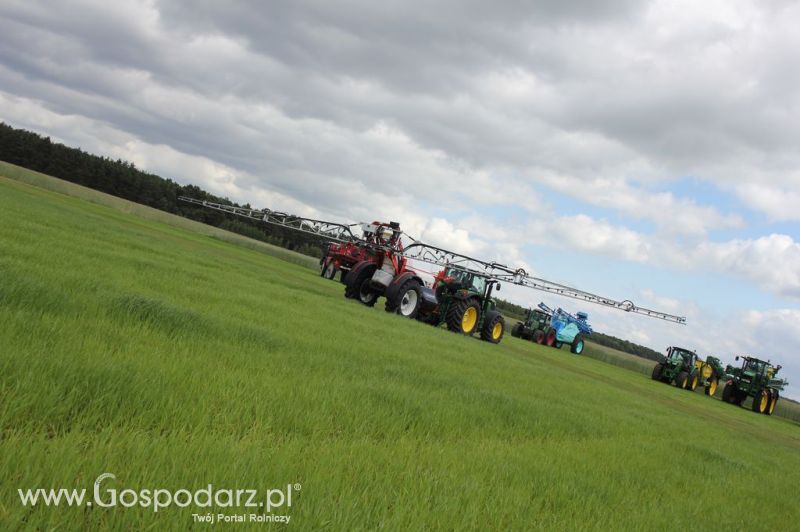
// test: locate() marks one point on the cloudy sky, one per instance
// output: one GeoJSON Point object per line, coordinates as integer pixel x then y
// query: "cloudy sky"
{"type": "Point", "coordinates": [641, 150]}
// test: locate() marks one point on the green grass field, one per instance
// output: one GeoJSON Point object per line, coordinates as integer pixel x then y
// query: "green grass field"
{"type": "Point", "coordinates": [142, 345]}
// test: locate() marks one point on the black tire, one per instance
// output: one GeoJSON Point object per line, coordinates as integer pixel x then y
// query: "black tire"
{"type": "Point", "coordinates": [577, 344]}
{"type": "Point", "coordinates": [657, 371]}
{"type": "Point", "coordinates": [729, 393]}
{"type": "Point", "coordinates": [760, 402]}
{"type": "Point", "coordinates": [323, 264]}
{"type": "Point", "coordinates": [457, 320]}
{"type": "Point", "coordinates": [366, 294]}
{"type": "Point", "coordinates": [357, 286]}
{"type": "Point", "coordinates": [516, 329]}
{"type": "Point", "coordinates": [407, 300]}
{"type": "Point", "coordinates": [538, 336]}
{"type": "Point", "coordinates": [494, 326]}
{"type": "Point", "coordinates": [682, 380]}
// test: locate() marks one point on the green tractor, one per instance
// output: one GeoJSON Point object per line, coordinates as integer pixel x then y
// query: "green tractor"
{"type": "Point", "coordinates": [536, 322]}
{"type": "Point", "coordinates": [756, 379]}
{"type": "Point", "coordinates": [462, 300]}
{"type": "Point", "coordinates": [688, 371]}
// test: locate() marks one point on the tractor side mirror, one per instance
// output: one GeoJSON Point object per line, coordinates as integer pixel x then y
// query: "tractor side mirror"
{"type": "Point", "coordinates": [737, 358]}
{"type": "Point", "coordinates": [497, 287]}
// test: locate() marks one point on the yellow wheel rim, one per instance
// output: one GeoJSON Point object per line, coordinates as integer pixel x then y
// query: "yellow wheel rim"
{"type": "Point", "coordinates": [694, 382]}
{"type": "Point", "coordinates": [497, 330]}
{"type": "Point", "coordinates": [712, 388]}
{"type": "Point", "coordinates": [469, 319]}
{"type": "Point", "coordinates": [772, 405]}
{"type": "Point", "coordinates": [685, 382]}
{"type": "Point", "coordinates": [764, 400]}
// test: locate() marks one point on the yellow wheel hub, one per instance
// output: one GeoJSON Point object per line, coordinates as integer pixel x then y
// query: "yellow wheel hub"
{"type": "Point", "coordinates": [469, 319]}
{"type": "Point", "coordinates": [712, 388]}
{"type": "Point", "coordinates": [497, 330]}
{"type": "Point", "coordinates": [694, 382]}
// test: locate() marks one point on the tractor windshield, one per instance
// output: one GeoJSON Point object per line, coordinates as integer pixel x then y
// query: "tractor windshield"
{"type": "Point", "coordinates": [475, 282]}
{"type": "Point", "coordinates": [756, 366]}
{"type": "Point", "coordinates": [679, 354]}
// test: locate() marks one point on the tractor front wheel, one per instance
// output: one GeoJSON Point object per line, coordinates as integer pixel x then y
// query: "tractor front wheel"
{"type": "Point", "coordinates": [691, 384]}
{"type": "Point", "coordinates": [773, 400]}
{"type": "Point", "coordinates": [657, 371]}
{"type": "Point", "coordinates": [760, 402]}
{"type": "Point", "coordinates": [729, 393]}
{"type": "Point", "coordinates": [330, 270]}
{"type": "Point", "coordinates": [463, 316]}
{"type": "Point", "coordinates": [711, 385]}
{"type": "Point", "coordinates": [516, 329]}
{"type": "Point", "coordinates": [357, 286]}
{"type": "Point", "coordinates": [577, 344]}
{"type": "Point", "coordinates": [682, 380]}
{"type": "Point", "coordinates": [550, 337]}
{"type": "Point", "coordinates": [493, 327]}
{"type": "Point", "coordinates": [538, 336]}
{"type": "Point", "coordinates": [408, 300]}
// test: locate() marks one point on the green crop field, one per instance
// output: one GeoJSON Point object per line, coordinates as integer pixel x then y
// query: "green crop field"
{"type": "Point", "coordinates": [145, 346]}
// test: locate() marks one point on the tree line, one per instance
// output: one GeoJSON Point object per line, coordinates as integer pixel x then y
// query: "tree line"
{"type": "Point", "coordinates": [122, 179]}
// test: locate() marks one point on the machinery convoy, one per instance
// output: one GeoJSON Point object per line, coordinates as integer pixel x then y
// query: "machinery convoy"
{"type": "Point", "coordinates": [385, 262]}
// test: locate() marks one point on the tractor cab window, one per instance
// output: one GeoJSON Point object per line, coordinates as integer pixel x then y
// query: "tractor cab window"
{"type": "Point", "coordinates": [753, 365]}
{"type": "Point", "coordinates": [467, 279]}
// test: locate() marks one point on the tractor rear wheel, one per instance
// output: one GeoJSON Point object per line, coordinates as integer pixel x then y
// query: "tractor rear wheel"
{"type": "Point", "coordinates": [463, 316]}
{"type": "Point", "coordinates": [550, 337]}
{"type": "Point", "coordinates": [323, 265]}
{"type": "Point", "coordinates": [516, 329]}
{"type": "Point", "coordinates": [682, 380]}
{"type": "Point", "coordinates": [493, 327]}
{"type": "Point", "coordinates": [692, 382]}
{"type": "Point", "coordinates": [538, 336]}
{"type": "Point", "coordinates": [760, 402]}
{"type": "Point", "coordinates": [577, 344]}
{"type": "Point", "coordinates": [408, 299]}
{"type": "Point", "coordinates": [712, 384]}
{"type": "Point", "coordinates": [657, 371]}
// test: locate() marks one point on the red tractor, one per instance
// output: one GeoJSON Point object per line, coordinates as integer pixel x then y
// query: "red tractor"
{"type": "Point", "coordinates": [345, 255]}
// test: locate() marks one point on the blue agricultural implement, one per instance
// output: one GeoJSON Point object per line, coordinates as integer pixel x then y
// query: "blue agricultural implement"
{"type": "Point", "coordinates": [554, 328]}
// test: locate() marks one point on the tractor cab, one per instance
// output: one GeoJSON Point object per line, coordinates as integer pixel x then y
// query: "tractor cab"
{"type": "Point", "coordinates": [460, 279]}
{"type": "Point", "coordinates": [753, 368]}
{"type": "Point", "coordinates": [681, 358]}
